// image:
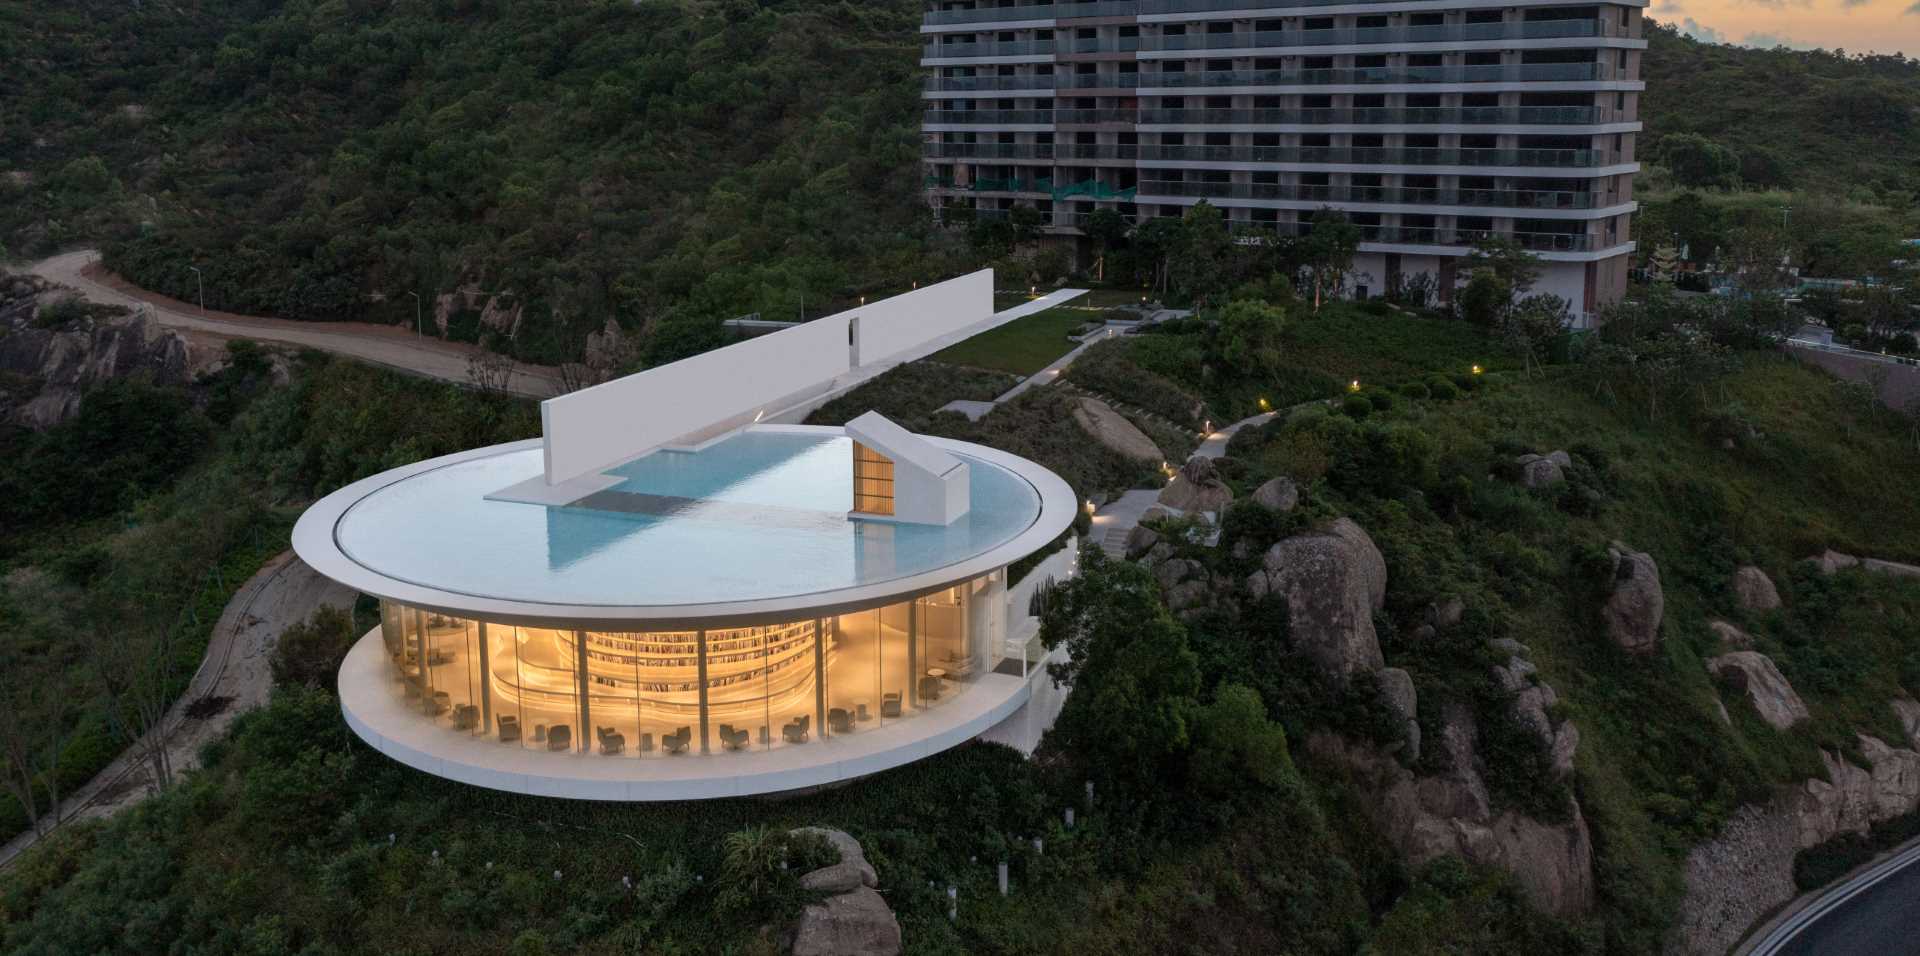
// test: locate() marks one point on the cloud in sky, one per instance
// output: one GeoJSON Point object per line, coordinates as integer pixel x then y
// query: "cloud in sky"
{"type": "Point", "coordinates": [1701, 32]}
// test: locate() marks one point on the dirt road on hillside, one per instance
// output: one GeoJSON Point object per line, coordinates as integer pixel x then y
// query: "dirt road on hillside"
{"type": "Point", "coordinates": [384, 345]}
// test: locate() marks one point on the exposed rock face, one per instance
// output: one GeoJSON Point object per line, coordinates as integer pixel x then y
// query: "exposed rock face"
{"type": "Point", "coordinates": [1197, 488]}
{"type": "Point", "coordinates": [1754, 590]}
{"type": "Point", "coordinates": [853, 922]}
{"type": "Point", "coordinates": [1532, 701]}
{"type": "Point", "coordinates": [1280, 494]}
{"type": "Point", "coordinates": [69, 360]}
{"type": "Point", "coordinates": [1427, 817]}
{"type": "Point", "coordinates": [1140, 541]}
{"type": "Point", "coordinates": [1830, 561]}
{"type": "Point", "coordinates": [1636, 603]}
{"type": "Point", "coordinates": [1446, 612]}
{"type": "Point", "coordinates": [1110, 428]}
{"type": "Point", "coordinates": [1333, 581]}
{"type": "Point", "coordinates": [1731, 638]}
{"type": "Point", "coordinates": [1753, 673]}
{"type": "Point", "coordinates": [1539, 471]}
{"type": "Point", "coordinates": [1747, 871]}
{"type": "Point", "coordinates": [1877, 566]}
{"type": "Point", "coordinates": [1397, 694]}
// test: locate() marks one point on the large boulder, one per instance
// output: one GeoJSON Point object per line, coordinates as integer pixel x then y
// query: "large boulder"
{"type": "Point", "coordinates": [857, 923]}
{"type": "Point", "coordinates": [1753, 674]}
{"type": "Point", "coordinates": [1332, 581]}
{"type": "Point", "coordinates": [1731, 638]}
{"type": "Point", "coordinates": [1539, 471]}
{"type": "Point", "coordinates": [851, 872]}
{"type": "Point", "coordinates": [1635, 602]}
{"type": "Point", "coordinates": [1141, 540]}
{"type": "Point", "coordinates": [1197, 488]}
{"type": "Point", "coordinates": [1398, 696]}
{"type": "Point", "coordinates": [1280, 494]}
{"type": "Point", "coordinates": [1112, 429]}
{"type": "Point", "coordinates": [855, 920]}
{"type": "Point", "coordinates": [1754, 591]}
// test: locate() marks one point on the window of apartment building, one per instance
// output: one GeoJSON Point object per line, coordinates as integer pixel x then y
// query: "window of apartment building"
{"type": "Point", "coordinates": [1423, 100]}
{"type": "Point", "coordinates": [1485, 16]}
{"type": "Point", "coordinates": [1219, 66]}
{"type": "Point", "coordinates": [1369, 101]}
{"type": "Point", "coordinates": [1316, 63]}
{"type": "Point", "coordinates": [1425, 59]}
{"type": "Point", "coordinates": [1218, 27]}
{"type": "Point", "coordinates": [1426, 19]}
{"type": "Point", "coordinates": [1372, 61]}
{"type": "Point", "coordinates": [1484, 58]}
{"type": "Point", "coordinates": [1317, 23]}
{"type": "Point", "coordinates": [1369, 23]}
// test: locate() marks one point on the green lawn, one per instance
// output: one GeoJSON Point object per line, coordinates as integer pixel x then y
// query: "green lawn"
{"type": "Point", "coordinates": [1023, 346]}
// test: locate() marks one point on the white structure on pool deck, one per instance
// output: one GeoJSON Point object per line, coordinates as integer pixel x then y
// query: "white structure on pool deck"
{"type": "Point", "coordinates": [693, 604]}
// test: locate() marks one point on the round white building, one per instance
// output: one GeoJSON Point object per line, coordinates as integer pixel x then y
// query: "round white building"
{"type": "Point", "coordinates": [775, 608]}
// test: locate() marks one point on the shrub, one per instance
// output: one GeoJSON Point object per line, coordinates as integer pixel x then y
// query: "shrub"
{"type": "Point", "coordinates": [311, 652]}
{"type": "Point", "coordinates": [1442, 389]}
{"type": "Point", "coordinates": [1381, 398]}
{"type": "Point", "coordinates": [1356, 407]}
{"type": "Point", "coordinates": [1416, 391]}
{"type": "Point", "coordinates": [1467, 382]}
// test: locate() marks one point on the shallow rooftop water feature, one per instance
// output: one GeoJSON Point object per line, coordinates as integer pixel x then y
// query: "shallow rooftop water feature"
{"type": "Point", "coordinates": [762, 514]}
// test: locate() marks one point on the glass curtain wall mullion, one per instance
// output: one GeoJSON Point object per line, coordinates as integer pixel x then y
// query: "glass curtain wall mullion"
{"type": "Point", "coordinates": [583, 681]}
{"type": "Point", "coordinates": [700, 640]}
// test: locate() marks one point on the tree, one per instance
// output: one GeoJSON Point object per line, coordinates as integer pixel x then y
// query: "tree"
{"type": "Point", "coordinates": [1203, 255]}
{"type": "Point", "coordinates": [1663, 264]}
{"type": "Point", "coordinates": [1248, 335]}
{"type": "Point", "coordinates": [37, 703]}
{"type": "Point", "coordinates": [1135, 679]}
{"type": "Point", "coordinates": [1106, 228]}
{"type": "Point", "coordinates": [1531, 325]}
{"type": "Point", "coordinates": [1498, 273]}
{"type": "Point", "coordinates": [1328, 250]}
{"type": "Point", "coordinates": [1698, 162]}
{"type": "Point", "coordinates": [1026, 222]}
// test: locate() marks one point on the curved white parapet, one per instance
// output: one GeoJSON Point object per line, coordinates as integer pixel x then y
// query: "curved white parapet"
{"type": "Point", "coordinates": [379, 714]}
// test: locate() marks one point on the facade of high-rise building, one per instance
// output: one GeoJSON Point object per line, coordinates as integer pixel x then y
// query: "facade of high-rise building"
{"type": "Point", "coordinates": [1428, 124]}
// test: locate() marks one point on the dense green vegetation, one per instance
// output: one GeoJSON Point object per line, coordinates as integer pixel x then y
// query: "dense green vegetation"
{"type": "Point", "coordinates": [1720, 115]}
{"type": "Point", "coordinates": [130, 527]}
{"type": "Point", "coordinates": [646, 162]}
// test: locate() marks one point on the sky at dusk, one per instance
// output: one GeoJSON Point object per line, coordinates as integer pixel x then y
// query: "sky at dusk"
{"type": "Point", "coordinates": [1858, 26]}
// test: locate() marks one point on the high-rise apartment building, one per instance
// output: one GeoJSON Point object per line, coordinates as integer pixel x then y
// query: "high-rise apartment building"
{"type": "Point", "coordinates": [1429, 123]}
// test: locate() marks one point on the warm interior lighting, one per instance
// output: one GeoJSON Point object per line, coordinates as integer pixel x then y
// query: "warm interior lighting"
{"type": "Point", "coordinates": [872, 481]}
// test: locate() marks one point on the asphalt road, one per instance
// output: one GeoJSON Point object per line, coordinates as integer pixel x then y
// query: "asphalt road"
{"type": "Point", "coordinates": [392, 347]}
{"type": "Point", "coordinates": [1883, 921]}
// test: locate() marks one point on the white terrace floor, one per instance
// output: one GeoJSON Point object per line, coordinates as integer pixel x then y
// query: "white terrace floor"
{"type": "Point", "coordinates": [381, 717]}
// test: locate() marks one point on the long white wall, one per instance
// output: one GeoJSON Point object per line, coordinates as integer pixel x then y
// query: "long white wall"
{"type": "Point", "coordinates": [588, 430]}
{"type": "Point", "coordinates": [892, 326]}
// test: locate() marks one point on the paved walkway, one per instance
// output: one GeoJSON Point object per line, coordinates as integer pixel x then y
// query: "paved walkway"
{"type": "Point", "coordinates": [1114, 522]}
{"type": "Point", "coordinates": [389, 346]}
{"type": "Point", "coordinates": [234, 677]}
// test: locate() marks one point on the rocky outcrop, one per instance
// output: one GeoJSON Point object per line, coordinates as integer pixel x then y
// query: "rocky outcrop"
{"type": "Point", "coordinates": [1754, 591]}
{"type": "Point", "coordinates": [1531, 706]}
{"type": "Point", "coordinates": [855, 920]}
{"type": "Point", "coordinates": [1398, 697]}
{"type": "Point", "coordinates": [1754, 674]}
{"type": "Point", "coordinates": [1539, 471]}
{"type": "Point", "coordinates": [1833, 562]}
{"type": "Point", "coordinates": [1280, 494]}
{"type": "Point", "coordinates": [1333, 581]}
{"type": "Point", "coordinates": [1746, 872]}
{"type": "Point", "coordinates": [1110, 428]}
{"type": "Point", "coordinates": [1424, 817]}
{"type": "Point", "coordinates": [1635, 603]}
{"type": "Point", "coordinates": [1197, 488]}
{"type": "Point", "coordinates": [1140, 541]}
{"type": "Point", "coordinates": [68, 359]}
{"type": "Point", "coordinates": [1731, 638]}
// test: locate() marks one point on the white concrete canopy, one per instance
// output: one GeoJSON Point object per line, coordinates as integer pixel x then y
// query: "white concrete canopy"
{"type": "Point", "coordinates": [930, 485]}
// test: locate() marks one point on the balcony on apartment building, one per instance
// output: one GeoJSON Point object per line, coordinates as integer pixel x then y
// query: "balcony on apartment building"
{"type": "Point", "coordinates": [1281, 39]}
{"type": "Point", "coordinates": [1340, 155]}
{"type": "Point", "coordinates": [1368, 116]}
{"type": "Point", "coordinates": [1202, 79]}
{"type": "Point", "coordinates": [1123, 8]}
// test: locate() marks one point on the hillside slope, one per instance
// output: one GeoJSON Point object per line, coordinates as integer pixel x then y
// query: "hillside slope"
{"type": "Point", "coordinates": [1794, 119]}
{"type": "Point", "coordinates": [324, 160]}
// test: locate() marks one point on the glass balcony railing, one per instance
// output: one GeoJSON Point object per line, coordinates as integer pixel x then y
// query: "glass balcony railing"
{"type": "Point", "coordinates": [1206, 79]}
{"type": "Point", "coordinates": [1281, 39]}
{"type": "Point", "coordinates": [1397, 235]}
{"type": "Point", "coordinates": [1114, 8]}
{"type": "Point", "coordinates": [1343, 155]}
{"type": "Point", "coordinates": [1408, 116]}
{"type": "Point", "coordinates": [1386, 195]}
